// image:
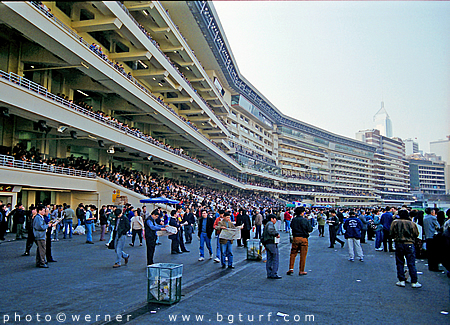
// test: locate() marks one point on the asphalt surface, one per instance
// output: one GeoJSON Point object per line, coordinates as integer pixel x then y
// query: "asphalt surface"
{"type": "Point", "coordinates": [83, 288]}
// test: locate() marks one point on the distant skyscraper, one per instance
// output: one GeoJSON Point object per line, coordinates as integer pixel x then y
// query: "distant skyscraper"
{"type": "Point", "coordinates": [383, 122]}
{"type": "Point", "coordinates": [411, 146]}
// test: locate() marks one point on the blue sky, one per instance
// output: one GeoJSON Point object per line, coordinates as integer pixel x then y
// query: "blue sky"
{"type": "Point", "coordinates": [331, 63]}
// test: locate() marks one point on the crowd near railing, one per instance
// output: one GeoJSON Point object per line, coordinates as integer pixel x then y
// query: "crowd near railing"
{"type": "Point", "coordinates": [9, 161]}
{"type": "Point", "coordinates": [119, 68]}
{"type": "Point", "coordinates": [16, 79]}
{"type": "Point", "coordinates": [147, 34]}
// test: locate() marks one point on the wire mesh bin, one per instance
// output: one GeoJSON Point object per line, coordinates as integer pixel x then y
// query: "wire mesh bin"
{"type": "Point", "coordinates": [164, 283]}
{"type": "Point", "coordinates": [254, 249]}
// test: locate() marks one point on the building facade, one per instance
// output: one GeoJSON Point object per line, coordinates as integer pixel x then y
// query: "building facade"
{"type": "Point", "coordinates": [153, 86]}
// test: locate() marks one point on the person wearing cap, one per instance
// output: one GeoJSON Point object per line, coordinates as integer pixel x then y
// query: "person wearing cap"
{"type": "Point", "coordinates": [268, 240]}
{"type": "Point", "coordinates": [301, 228]}
{"type": "Point", "coordinates": [353, 227]}
{"type": "Point", "coordinates": [122, 227]}
{"type": "Point", "coordinates": [405, 232]}
{"type": "Point", "coordinates": [151, 227]}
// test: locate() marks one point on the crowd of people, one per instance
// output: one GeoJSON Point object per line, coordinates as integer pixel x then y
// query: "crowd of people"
{"type": "Point", "coordinates": [120, 68]}
{"type": "Point", "coordinates": [409, 233]}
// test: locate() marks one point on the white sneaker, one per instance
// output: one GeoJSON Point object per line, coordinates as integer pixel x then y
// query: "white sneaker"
{"type": "Point", "coordinates": [378, 249]}
{"type": "Point", "coordinates": [401, 283]}
{"type": "Point", "coordinates": [216, 260]}
{"type": "Point", "coordinates": [201, 259]}
{"type": "Point", "coordinates": [416, 285]}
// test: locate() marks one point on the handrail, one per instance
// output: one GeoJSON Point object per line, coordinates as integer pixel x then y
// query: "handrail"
{"type": "Point", "coordinates": [9, 161]}
{"type": "Point", "coordinates": [129, 77]}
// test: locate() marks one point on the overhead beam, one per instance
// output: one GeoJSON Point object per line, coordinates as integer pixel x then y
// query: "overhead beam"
{"type": "Point", "coordinates": [141, 6]}
{"type": "Point", "coordinates": [173, 49]}
{"type": "Point", "coordinates": [197, 80]}
{"type": "Point", "coordinates": [150, 73]}
{"type": "Point", "coordinates": [178, 100]}
{"type": "Point", "coordinates": [160, 30]}
{"type": "Point", "coordinates": [131, 56]}
{"type": "Point", "coordinates": [96, 25]}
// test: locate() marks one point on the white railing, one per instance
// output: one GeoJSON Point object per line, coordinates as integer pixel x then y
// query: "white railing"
{"type": "Point", "coordinates": [8, 161]}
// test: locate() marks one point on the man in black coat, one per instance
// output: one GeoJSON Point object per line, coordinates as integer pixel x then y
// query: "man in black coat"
{"type": "Point", "coordinates": [205, 230]}
{"type": "Point", "coordinates": [333, 226]}
{"type": "Point", "coordinates": [243, 219]}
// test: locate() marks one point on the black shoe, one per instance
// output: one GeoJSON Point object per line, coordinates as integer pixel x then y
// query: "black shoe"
{"type": "Point", "coordinates": [26, 254]}
{"type": "Point", "coordinates": [224, 266]}
{"type": "Point", "coordinates": [231, 267]}
{"type": "Point", "coordinates": [185, 251]}
{"type": "Point", "coordinates": [158, 244]}
{"type": "Point", "coordinates": [175, 252]}
{"type": "Point", "coordinates": [131, 244]}
{"type": "Point", "coordinates": [43, 266]}
{"type": "Point", "coordinates": [331, 247]}
{"type": "Point", "coordinates": [276, 277]}
{"type": "Point", "coordinates": [342, 244]}
{"type": "Point", "coordinates": [52, 261]}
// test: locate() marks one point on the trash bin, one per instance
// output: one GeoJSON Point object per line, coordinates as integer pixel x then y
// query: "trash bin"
{"type": "Point", "coordinates": [254, 249]}
{"type": "Point", "coordinates": [164, 283]}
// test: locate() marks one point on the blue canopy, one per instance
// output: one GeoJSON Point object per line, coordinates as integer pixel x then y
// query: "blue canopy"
{"type": "Point", "coordinates": [159, 200]}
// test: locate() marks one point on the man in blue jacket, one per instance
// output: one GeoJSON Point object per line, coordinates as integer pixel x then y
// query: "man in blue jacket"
{"type": "Point", "coordinates": [386, 221]}
{"type": "Point", "coordinates": [353, 227]}
{"type": "Point", "coordinates": [39, 231]}
{"type": "Point", "coordinates": [151, 227]}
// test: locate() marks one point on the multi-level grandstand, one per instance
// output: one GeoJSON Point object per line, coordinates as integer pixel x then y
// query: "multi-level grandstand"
{"type": "Point", "coordinates": [152, 87]}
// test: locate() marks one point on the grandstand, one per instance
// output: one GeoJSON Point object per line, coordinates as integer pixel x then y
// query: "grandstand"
{"type": "Point", "coordinates": [153, 87]}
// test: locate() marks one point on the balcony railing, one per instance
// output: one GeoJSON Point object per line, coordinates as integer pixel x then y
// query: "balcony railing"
{"type": "Point", "coordinates": [9, 161]}
{"type": "Point", "coordinates": [128, 76]}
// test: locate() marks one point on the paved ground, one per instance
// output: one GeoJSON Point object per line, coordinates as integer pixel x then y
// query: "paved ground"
{"type": "Point", "coordinates": [335, 291]}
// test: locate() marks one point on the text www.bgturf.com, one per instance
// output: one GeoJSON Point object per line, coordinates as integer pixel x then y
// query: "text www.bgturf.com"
{"type": "Point", "coordinates": [241, 318]}
{"type": "Point", "coordinates": [60, 318]}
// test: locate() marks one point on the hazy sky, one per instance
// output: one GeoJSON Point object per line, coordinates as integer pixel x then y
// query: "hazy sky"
{"type": "Point", "coordinates": [331, 64]}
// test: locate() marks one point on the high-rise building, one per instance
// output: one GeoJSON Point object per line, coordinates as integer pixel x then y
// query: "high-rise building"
{"type": "Point", "coordinates": [427, 177]}
{"type": "Point", "coordinates": [442, 148]}
{"type": "Point", "coordinates": [391, 171]}
{"type": "Point", "coordinates": [411, 147]}
{"type": "Point", "coordinates": [383, 122]}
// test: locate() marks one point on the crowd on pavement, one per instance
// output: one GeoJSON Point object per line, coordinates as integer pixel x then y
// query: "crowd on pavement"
{"type": "Point", "coordinates": [409, 233]}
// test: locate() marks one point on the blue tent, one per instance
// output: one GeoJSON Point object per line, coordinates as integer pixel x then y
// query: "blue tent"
{"type": "Point", "coordinates": [159, 200]}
